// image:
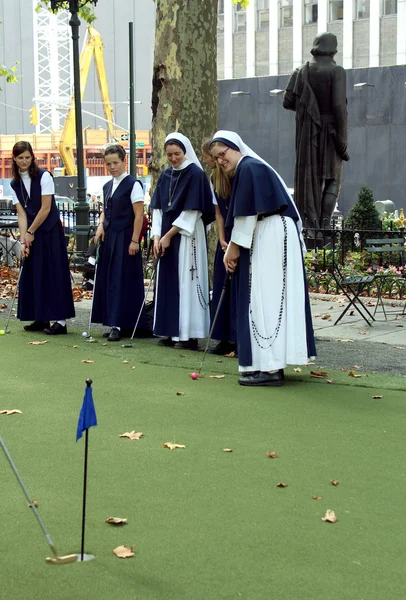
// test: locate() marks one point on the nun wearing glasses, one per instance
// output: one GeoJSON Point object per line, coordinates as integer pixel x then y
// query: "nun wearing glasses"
{"type": "Point", "coordinates": [265, 253]}
{"type": "Point", "coordinates": [182, 207]}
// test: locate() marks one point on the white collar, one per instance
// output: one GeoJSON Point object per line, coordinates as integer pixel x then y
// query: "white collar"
{"type": "Point", "coordinates": [25, 174]}
{"type": "Point", "coordinates": [120, 178]}
{"type": "Point", "coordinates": [185, 164]}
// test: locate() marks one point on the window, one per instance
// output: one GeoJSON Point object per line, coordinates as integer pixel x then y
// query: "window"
{"type": "Point", "coordinates": [286, 13]}
{"type": "Point", "coordinates": [362, 8]}
{"type": "Point", "coordinates": [239, 18]}
{"type": "Point", "coordinates": [311, 11]}
{"type": "Point", "coordinates": [262, 14]}
{"type": "Point", "coordinates": [336, 10]}
{"type": "Point", "coordinates": [220, 16]}
{"type": "Point", "coordinates": [220, 7]}
{"type": "Point", "coordinates": [390, 7]}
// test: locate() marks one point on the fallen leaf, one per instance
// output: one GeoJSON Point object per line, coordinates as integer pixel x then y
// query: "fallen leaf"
{"type": "Point", "coordinates": [172, 446]}
{"type": "Point", "coordinates": [344, 369]}
{"type": "Point", "coordinates": [13, 411]}
{"type": "Point", "coordinates": [310, 363]}
{"type": "Point", "coordinates": [330, 307]}
{"type": "Point", "coordinates": [34, 502]}
{"type": "Point", "coordinates": [272, 455]}
{"type": "Point", "coordinates": [232, 354]}
{"type": "Point", "coordinates": [132, 435]}
{"type": "Point", "coordinates": [282, 484]}
{"type": "Point", "coordinates": [180, 393]}
{"type": "Point", "coordinates": [125, 362]}
{"type": "Point", "coordinates": [105, 344]}
{"type": "Point", "coordinates": [116, 521]}
{"type": "Point", "coordinates": [216, 376]}
{"type": "Point", "coordinates": [182, 355]}
{"type": "Point", "coordinates": [399, 347]}
{"type": "Point", "coordinates": [369, 303]}
{"type": "Point", "coordinates": [75, 346]}
{"type": "Point", "coordinates": [297, 370]}
{"type": "Point", "coordinates": [318, 374]}
{"type": "Point", "coordinates": [330, 516]}
{"type": "Point", "coordinates": [3, 306]}
{"type": "Point", "coordinates": [87, 361]}
{"type": "Point", "coordinates": [357, 367]}
{"type": "Point", "coordinates": [351, 313]}
{"type": "Point", "coordinates": [330, 380]}
{"type": "Point", "coordinates": [219, 361]}
{"type": "Point", "coordinates": [353, 374]}
{"type": "Point", "coordinates": [316, 315]}
{"type": "Point", "coordinates": [39, 343]}
{"type": "Point", "coordinates": [133, 368]}
{"type": "Point", "coordinates": [363, 332]}
{"type": "Point", "coordinates": [377, 397]}
{"type": "Point", "coordinates": [317, 497]}
{"type": "Point", "coordinates": [345, 340]}
{"type": "Point", "coordinates": [227, 450]}
{"type": "Point", "coordinates": [335, 482]}
{"type": "Point", "coordinates": [398, 325]}
{"type": "Point", "coordinates": [124, 552]}
{"type": "Point", "coordinates": [326, 317]}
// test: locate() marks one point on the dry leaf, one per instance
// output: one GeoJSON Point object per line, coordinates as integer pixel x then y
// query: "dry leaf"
{"type": "Point", "coordinates": [3, 306]}
{"type": "Point", "coordinates": [282, 484]}
{"type": "Point", "coordinates": [353, 374]}
{"type": "Point", "coordinates": [105, 344]}
{"type": "Point", "coordinates": [399, 347]}
{"type": "Point", "coordinates": [330, 307]}
{"type": "Point", "coordinates": [219, 361]}
{"type": "Point", "coordinates": [330, 516]}
{"type": "Point", "coordinates": [39, 343]}
{"type": "Point", "coordinates": [377, 397]}
{"type": "Point", "coordinates": [335, 482]}
{"type": "Point", "coordinates": [357, 367]}
{"type": "Point", "coordinates": [116, 521]}
{"type": "Point", "coordinates": [351, 313]}
{"type": "Point", "coordinates": [124, 552]}
{"type": "Point", "coordinates": [182, 355]}
{"type": "Point", "coordinates": [87, 361]}
{"type": "Point", "coordinates": [133, 368]}
{"type": "Point", "coordinates": [325, 317]}
{"type": "Point", "coordinates": [297, 370]}
{"type": "Point", "coordinates": [344, 369]}
{"type": "Point", "coordinates": [172, 446]}
{"type": "Point", "coordinates": [132, 435]}
{"type": "Point", "coordinates": [216, 376]}
{"type": "Point", "coordinates": [398, 325]}
{"type": "Point", "coordinates": [75, 346]}
{"type": "Point", "coordinates": [317, 497]}
{"type": "Point", "coordinates": [230, 355]}
{"type": "Point", "coordinates": [369, 303]}
{"type": "Point", "coordinates": [318, 374]}
{"type": "Point", "coordinates": [227, 450]}
{"type": "Point", "coordinates": [317, 315]}
{"type": "Point", "coordinates": [125, 362]}
{"type": "Point", "coordinates": [35, 503]}
{"type": "Point", "coordinates": [330, 380]}
{"type": "Point", "coordinates": [180, 393]}
{"type": "Point", "coordinates": [345, 341]}
{"type": "Point", "coordinates": [13, 411]}
{"type": "Point", "coordinates": [363, 332]}
{"type": "Point", "coordinates": [272, 455]}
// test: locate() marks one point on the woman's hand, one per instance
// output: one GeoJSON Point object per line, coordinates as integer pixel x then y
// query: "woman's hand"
{"type": "Point", "coordinates": [99, 233]}
{"type": "Point", "coordinates": [133, 248]}
{"type": "Point", "coordinates": [231, 257]}
{"type": "Point", "coordinates": [25, 251]}
{"type": "Point", "coordinates": [223, 245]}
{"type": "Point", "coordinates": [157, 250]}
{"type": "Point", "coordinates": [28, 240]}
{"type": "Point", "coordinates": [164, 243]}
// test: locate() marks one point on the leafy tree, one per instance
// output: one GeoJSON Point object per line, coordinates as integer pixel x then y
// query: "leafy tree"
{"type": "Point", "coordinates": [86, 12]}
{"type": "Point", "coordinates": [363, 215]}
{"type": "Point", "coordinates": [8, 72]}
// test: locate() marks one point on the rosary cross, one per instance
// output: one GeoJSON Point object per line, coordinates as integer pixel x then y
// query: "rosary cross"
{"type": "Point", "coordinates": [192, 270]}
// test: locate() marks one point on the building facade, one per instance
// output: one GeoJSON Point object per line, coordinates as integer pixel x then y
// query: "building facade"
{"type": "Point", "coordinates": [273, 37]}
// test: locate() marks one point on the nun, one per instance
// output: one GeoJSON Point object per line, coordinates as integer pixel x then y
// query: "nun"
{"type": "Point", "coordinates": [119, 285]}
{"type": "Point", "coordinates": [265, 255]}
{"type": "Point", "coordinates": [223, 317]}
{"type": "Point", "coordinates": [45, 292]}
{"type": "Point", "coordinates": [181, 208]}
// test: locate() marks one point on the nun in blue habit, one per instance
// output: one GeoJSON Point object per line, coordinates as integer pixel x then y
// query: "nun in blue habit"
{"type": "Point", "coordinates": [274, 327]}
{"type": "Point", "coordinates": [45, 292]}
{"type": "Point", "coordinates": [119, 286]}
{"type": "Point", "coordinates": [182, 207]}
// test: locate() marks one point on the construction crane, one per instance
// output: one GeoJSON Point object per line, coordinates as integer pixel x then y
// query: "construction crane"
{"type": "Point", "coordinates": [93, 47]}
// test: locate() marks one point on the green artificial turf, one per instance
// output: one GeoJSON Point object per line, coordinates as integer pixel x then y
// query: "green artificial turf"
{"type": "Point", "coordinates": [206, 524]}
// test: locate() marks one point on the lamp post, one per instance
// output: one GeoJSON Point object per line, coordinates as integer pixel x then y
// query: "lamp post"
{"type": "Point", "coordinates": [81, 208]}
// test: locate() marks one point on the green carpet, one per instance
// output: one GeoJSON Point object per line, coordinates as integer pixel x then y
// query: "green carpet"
{"type": "Point", "coordinates": [207, 525]}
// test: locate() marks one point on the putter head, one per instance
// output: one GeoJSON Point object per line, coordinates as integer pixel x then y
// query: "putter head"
{"type": "Point", "coordinates": [61, 560]}
{"type": "Point", "coordinates": [8, 331]}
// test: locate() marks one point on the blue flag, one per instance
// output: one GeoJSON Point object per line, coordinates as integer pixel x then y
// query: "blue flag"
{"type": "Point", "coordinates": [87, 416]}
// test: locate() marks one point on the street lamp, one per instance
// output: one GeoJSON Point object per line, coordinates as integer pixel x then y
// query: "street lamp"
{"type": "Point", "coordinates": [81, 208]}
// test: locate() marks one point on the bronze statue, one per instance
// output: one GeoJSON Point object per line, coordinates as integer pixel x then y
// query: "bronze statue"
{"type": "Point", "coordinates": [317, 92]}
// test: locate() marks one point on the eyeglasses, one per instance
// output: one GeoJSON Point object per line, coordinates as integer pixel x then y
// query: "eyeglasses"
{"type": "Point", "coordinates": [220, 156]}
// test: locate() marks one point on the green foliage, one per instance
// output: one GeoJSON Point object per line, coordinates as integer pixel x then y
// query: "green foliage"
{"type": "Point", "coordinates": [86, 12]}
{"type": "Point", "coordinates": [363, 214]}
{"type": "Point", "coordinates": [389, 222]}
{"type": "Point", "coordinates": [244, 3]}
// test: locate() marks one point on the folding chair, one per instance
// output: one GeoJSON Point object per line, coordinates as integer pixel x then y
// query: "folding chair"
{"type": "Point", "coordinates": [352, 288]}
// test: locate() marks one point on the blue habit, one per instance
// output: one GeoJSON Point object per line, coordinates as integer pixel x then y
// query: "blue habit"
{"type": "Point", "coordinates": [176, 191]}
{"type": "Point", "coordinates": [45, 292]}
{"type": "Point", "coordinates": [119, 289]}
{"type": "Point", "coordinates": [225, 328]}
{"type": "Point", "coordinates": [256, 189]}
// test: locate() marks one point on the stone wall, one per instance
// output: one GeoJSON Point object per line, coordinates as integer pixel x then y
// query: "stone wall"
{"type": "Point", "coordinates": [361, 43]}
{"type": "Point", "coordinates": [387, 53]}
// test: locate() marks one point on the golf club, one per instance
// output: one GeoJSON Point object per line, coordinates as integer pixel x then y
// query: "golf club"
{"type": "Point", "coordinates": [88, 335]}
{"type": "Point", "coordinates": [56, 559]}
{"type": "Point", "coordinates": [223, 293]}
{"type": "Point", "coordinates": [7, 330]}
{"type": "Point", "coordinates": [146, 295]}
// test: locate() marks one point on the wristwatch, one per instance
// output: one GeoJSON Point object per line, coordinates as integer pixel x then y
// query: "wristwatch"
{"type": "Point", "coordinates": [30, 233]}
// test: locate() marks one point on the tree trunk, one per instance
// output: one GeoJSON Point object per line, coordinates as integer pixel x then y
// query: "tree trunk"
{"type": "Point", "coordinates": [184, 84]}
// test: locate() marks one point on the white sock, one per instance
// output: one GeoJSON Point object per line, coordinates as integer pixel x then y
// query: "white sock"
{"type": "Point", "coordinates": [62, 322]}
{"type": "Point", "coordinates": [114, 327]}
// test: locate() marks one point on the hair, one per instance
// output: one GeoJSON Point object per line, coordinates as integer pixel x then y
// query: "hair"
{"type": "Point", "coordinates": [115, 149]}
{"type": "Point", "coordinates": [221, 180]}
{"type": "Point", "coordinates": [174, 142]}
{"type": "Point", "coordinates": [206, 145]}
{"type": "Point", "coordinates": [18, 149]}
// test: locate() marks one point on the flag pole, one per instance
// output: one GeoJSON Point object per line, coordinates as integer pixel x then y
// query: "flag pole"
{"type": "Point", "coordinates": [82, 546]}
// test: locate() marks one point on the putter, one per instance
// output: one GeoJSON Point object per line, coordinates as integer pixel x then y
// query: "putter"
{"type": "Point", "coordinates": [7, 330]}
{"type": "Point", "coordinates": [223, 293]}
{"type": "Point", "coordinates": [146, 295]}
{"type": "Point", "coordinates": [56, 559]}
{"type": "Point", "coordinates": [89, 336]}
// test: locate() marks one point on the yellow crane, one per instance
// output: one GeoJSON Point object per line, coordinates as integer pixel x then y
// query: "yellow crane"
{"type": "Point", "coordinates": [94, 47]}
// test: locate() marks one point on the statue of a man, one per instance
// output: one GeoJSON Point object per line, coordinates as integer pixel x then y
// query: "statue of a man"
{"type": "Point", "coordinates": [317, 92]}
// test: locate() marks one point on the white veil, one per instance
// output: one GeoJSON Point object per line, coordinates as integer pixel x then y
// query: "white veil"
{"type": "Point", "coordinates": [247, 151]}
{"type": "Point", "coordinates": [190, 154]}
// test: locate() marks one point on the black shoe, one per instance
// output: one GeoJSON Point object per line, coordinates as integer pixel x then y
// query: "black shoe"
{"type": "Point", "coordinates": [261, 378]}
{"type": "Point", "coordinates": [87, 286]}
{"type": "Point", "coordinates": [247, 373]}
{"type": "Point", "coordinates": [222, 348]}
{"type": "Point", "coordinates": [114, 335]}
{"type": "Point", "coordinates": [37, 326]}
{"type": "Point", "coordinates": [86, 268]}
{"type": "Point", "coordinates": [168, 341]}
{"type": "Point", "coordinates": [191, 344]}
{"type": "Point", "coordinates": [56, 329]}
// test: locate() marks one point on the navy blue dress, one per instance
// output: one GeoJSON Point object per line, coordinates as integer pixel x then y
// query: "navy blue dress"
{"type": "Point", "coordinates": [225, 328]}
{"type": "Point", "coordinates": [119, 289]}
{"type": "Point", "coordinates": [45, 292]}
{"type": "Point", "coordinates": [257, 189]}
{"type": "Point", "coordinates": [176, 191]}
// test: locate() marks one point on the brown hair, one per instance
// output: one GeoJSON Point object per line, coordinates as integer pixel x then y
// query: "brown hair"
{"type": "Point", "coordinates": [221, 180]}
{"type": "Point", "coordinates": [116, 149]}
{"type": "Point", "coordinates": [18, 149]}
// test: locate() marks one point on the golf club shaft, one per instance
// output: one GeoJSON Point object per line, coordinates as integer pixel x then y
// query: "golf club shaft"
{"type": "Point", "coordinates": [94, 286]}
{"type": "Point", "coordinates": [14, 297]}
{"type": "Point", "coordinates": [223, 293]}
{"type": "Point", "coordinates": [145, 298]}
{"type": "Point", "coordinates": [28, 496]}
